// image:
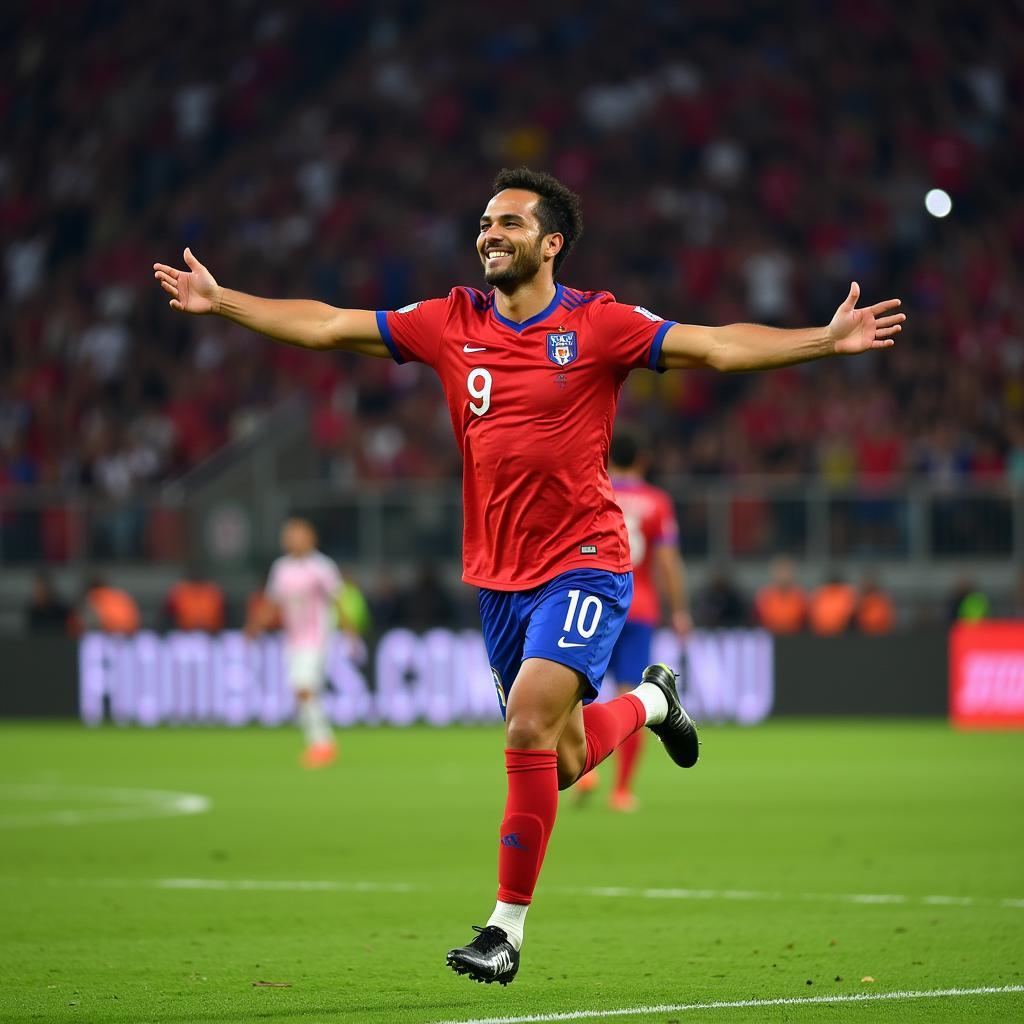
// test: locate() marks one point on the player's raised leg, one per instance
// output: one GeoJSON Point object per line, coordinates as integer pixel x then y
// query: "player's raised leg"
{"type": "Point", "coordinates": [676, 729]}
{"type": "Point", "coordinates": [604, 728]}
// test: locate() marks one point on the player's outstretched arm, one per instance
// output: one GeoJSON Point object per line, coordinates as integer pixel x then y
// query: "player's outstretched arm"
{"type": "Point", "coordinates": [302, 322]}
{"type": "Point", "coordinates": [739, 347]}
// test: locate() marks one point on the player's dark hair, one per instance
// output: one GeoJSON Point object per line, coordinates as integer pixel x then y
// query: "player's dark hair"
{"type": "Point", "coordinates": [625, 448]}
{"type": "Point", "coordinates": [558, 210]}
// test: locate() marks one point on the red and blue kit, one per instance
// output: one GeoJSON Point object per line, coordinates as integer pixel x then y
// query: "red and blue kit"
{"type": "Point", "coordinates": [532, 405]}
{"type": "Point", "coordinates": [650, 522]}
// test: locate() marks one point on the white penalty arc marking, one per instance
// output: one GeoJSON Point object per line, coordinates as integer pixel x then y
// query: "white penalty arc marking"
{"type": "Point", "coordinates": [741, 1004]}
{"type": "Point", "coordinates": [115, 804]}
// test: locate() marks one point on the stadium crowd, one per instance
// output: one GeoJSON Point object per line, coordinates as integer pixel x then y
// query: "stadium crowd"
{"type": "Point", "coordinates": [730, 169]}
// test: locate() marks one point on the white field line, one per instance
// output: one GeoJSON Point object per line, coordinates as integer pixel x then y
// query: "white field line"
{"type": "Point", "coordinates": [346, 885]}
{"type": "Point", "coordinates": [225, 884]}
{"type": "Point", "coordinates": [756, 896]}
{"type": "Point", "coordinates": [281, 885]}
{"type": "Point", "coordinates": [116, 804]}
{"type": "Point", "coordinates": [644, 1011]}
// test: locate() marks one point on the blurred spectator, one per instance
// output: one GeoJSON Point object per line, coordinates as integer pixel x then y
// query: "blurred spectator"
{"type": "Point", "coordinates": [967, 603]}
{"type": "Point", "coordinates": [351, 607]}
{"type": "Point", "coordinates": [195, 603]}
{"type": "Point", "coordinates": [832, 607]}
{"type": "Point", "coordinates": [107, 609]}
{"type": "Point", "coordinates": [720, 605]}
{"type": "Point", "coordinates": [275, 134]}
{"type": "Point", "coordinates": [782, 605]}
{"type": "Point", "coordinates": [875, 612]}
{"type": "Point", "coordinates": [47, 610]}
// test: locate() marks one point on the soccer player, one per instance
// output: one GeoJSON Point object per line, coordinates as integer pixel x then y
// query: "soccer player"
{"type": "Point", "coordinates": [532, 371]}
{"type": "Point", "coordinates": [304, 585]}
{"type": "Point", "coordinates": [658, 571]}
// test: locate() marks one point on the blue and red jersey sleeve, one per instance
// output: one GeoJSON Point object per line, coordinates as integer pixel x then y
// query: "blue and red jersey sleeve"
{"type": "Point", "coordinates": [413, 333]}
{"type": "Point", "coordinates": [630, 336]}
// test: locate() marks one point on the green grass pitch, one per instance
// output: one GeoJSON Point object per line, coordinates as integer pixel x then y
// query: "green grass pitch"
{"type": "Point", "coordinates": [795, 860]}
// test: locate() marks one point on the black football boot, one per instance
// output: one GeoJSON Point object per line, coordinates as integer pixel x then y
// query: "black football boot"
{"type": "Point", "coordinates": [677, 732]}
{"type": "Point", "coordinates": [489, 957]}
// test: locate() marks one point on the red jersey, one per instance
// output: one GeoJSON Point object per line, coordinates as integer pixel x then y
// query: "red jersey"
{"type": "Point", "coordinates": [650, 520]}
{"type": "Point", "coordinates": [532, 406]}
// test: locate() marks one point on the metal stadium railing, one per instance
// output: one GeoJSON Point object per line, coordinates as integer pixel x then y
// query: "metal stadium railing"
{"type": "Point", "coordinates": [722, 522]}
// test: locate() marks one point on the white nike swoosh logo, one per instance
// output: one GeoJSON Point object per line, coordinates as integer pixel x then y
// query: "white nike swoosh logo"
{"type": "Point", "coordinates": [468, 348]}
{"type": "Point", "coordinates": [562, 642]}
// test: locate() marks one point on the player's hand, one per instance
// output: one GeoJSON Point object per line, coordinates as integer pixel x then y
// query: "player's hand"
{"type": "Point", "coordinates": [191, 291]}
{"type": "Point", "coordinates": [857, 330]}
{"type": "Point", "coordinates": [682, 624]}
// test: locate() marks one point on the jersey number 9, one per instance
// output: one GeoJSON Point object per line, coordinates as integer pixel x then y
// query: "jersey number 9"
{"type": "Point", "coordinates": [479, 384]}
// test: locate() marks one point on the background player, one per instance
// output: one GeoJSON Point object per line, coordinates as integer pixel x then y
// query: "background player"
{"type": "Point", "coordinates": [532, 372]}
{"type": "Point", "coordinates": [658, 575]}
{"type": "Point", "coordinates": [303, 585]}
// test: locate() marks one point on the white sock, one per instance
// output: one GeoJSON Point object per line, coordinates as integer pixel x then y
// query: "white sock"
{"type": "Point", "coordinates": [654, 701]}
{"type": "Point", "coordinates": [313, 721]}
{"type": "Point", "coordinates": [510, 917]}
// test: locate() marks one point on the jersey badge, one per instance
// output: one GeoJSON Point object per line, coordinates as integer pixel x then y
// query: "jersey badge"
{"type": "Point", "coordinates": [562, 348]}
{"type": "Point", "coordinates": [644, 311]}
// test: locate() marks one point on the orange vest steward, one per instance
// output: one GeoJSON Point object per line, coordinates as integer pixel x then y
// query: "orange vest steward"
{"type": "Point", "coordinates": [875, 613]}
{"type": "Point", "coordinates": [115, 610]}
{"type": "Point", "coordinates": [195, 604]}
{"type": "Point", "coordinates": [832, 607]}
{"type": "Point", "coordinates": [781, 609]}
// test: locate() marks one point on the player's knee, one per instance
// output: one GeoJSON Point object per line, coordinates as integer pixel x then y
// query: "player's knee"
{"type": "Point", "coordinates": [529, 732]}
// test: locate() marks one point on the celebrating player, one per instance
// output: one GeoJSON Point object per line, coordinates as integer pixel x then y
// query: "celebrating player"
{"type": "Point", "coordinates": [303, 585]}
{"type": "Point", "coordinates": [658, 571]}
{"type": "Point", "coordinates": [532, 371]}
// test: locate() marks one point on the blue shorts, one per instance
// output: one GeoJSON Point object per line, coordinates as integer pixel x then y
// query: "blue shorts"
{"type": "Point", "coordinates": [632, 653]}
{"type": "Point", "coordinates": [573, 619]}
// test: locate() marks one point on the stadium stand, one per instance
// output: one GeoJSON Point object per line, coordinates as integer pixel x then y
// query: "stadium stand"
{"type": "Point", "coordinates": [335, 150]}
{"type": "Point", "coordinates": [280, 152]}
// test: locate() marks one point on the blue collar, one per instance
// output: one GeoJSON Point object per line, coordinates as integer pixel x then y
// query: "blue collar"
{"type": "Point", "coordinates": [542, 315]}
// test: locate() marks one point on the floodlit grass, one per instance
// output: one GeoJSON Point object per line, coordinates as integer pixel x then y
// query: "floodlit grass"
{"type": "Point", "coordinates": [747, 877]}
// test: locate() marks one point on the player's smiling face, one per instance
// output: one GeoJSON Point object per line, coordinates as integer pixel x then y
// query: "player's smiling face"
{"type": "Point", "coordinates": [510, 240]}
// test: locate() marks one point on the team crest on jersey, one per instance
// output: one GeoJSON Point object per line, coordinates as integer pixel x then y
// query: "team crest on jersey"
{"type": "Point", "coordinates": [562, 348]}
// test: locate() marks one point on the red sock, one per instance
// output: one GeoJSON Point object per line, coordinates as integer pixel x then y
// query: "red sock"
{"type": "Point", "coordinates": [625, 760]}
{"type": "Point", "coordinates": [529, 818]}
{"type": "Point", "coordinates": [607, 726]}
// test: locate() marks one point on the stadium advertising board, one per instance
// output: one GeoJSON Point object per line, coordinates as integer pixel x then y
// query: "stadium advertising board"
{"type": "Point", "coordinates": [986, 675]}
{"type": "Point", "coordinates": [439, 677]}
